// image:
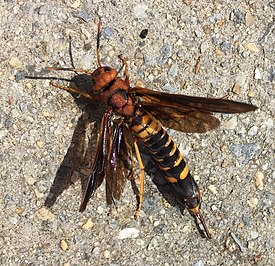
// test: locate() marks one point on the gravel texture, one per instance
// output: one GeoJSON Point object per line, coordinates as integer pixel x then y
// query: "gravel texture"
{"type": "Point", "coordinates": [234, 165]}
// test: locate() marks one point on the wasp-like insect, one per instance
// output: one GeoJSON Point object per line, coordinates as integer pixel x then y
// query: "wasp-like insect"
{"type": "Point", "coordinates": [135, 114]}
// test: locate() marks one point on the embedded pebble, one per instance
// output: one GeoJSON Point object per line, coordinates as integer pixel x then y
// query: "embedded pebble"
{"type": "Point", "coordinates": [236, 88]}
{"type": "Point", "coordinates": [140, 11]}
{"type": "Point", "coordinates": [16, 63]}
{"type": "Point", "coordinates": [76, 4]}
{"type": "Point", "coordinates": [106, 254]}
{"type": "Point", "coordinates": [153, 244]}
{"type": "Point", "coordinates": [88, 224]}
{"type": "Point", "coordinates": [259, 182]}
{"type": "Point", "coordinates": [212, 189]}
{"type": "Point", "coordinates": [257, 74]}
{"type": "Point", "coordinates": [254, 234]}
{"type": "Point", "coordinates": [249, 19]}
{"type": "Point", "coordinates": [253, 131]}
{"type": "Point", "coordinates": [237, 16]}
{"type": "Point", "coordinates": [198, 263]}
{"type": "Point", "coordinates": [252, 47]}
{"type": "Point", "coordinates": [44, 214]}
{"type": "Point", "coordinates": [165, 52]}
{"type": "Point", "coordinates": [252, 202]}
{"type": "Point", "coordinates": [3, 133]}
{"type": "Point", "coordinates": [231, 123]}
{"type": "Point", "coordinates": [173, 71]}
{"type": "Point", "coordinates": [245, 152]}
{"type": "Point", "coordinates": [238, 242]}
{"type": "Point", "coordinates": [130, 232]}
{"type": "Point", "coordinates": [63, 244]}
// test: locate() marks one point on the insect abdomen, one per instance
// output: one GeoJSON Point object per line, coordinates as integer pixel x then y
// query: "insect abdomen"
{"type": "Point", "coordinates": [162, 148]}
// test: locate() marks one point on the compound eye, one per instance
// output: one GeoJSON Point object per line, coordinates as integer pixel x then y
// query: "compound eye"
{"type": "Point", "coordinates": [107, 69]}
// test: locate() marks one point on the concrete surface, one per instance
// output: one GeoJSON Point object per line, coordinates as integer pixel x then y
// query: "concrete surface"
{"type": "Point", "coordinates": [234, 165]}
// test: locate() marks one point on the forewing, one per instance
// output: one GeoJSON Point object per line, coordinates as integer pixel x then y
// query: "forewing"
{"type": "Point", "coordinates": [187, 113]}
{"type": "Point", "coordinates": [97, 173]}
{"type": "Point", "coordinates": [119, 166]}
{"type": "Point", "coordinates": [201, 104]}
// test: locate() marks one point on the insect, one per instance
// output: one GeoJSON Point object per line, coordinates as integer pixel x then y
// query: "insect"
{"type": "Point", "coordinates": [136, 114]}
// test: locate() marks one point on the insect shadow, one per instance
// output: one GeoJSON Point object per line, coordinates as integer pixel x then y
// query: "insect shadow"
{"type": "Point", "coordinates": [77, 162]}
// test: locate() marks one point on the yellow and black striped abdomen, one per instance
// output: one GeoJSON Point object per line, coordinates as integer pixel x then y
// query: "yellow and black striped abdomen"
{"type": "Point", "coordinates": [162, 148]}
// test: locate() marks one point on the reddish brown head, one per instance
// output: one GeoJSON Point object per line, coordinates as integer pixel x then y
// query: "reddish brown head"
{"type": "Point", "coordinates": [102, 77]}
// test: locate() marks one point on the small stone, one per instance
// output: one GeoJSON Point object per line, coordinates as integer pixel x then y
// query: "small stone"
{"type": "Point", "coordinates": [187, 2]}
{"type": "Point", "coordinates": [106, 254]}
{"type": "Point", "coordinates": [231, 123]}
{"type": "Point", "coordinates": [44, 214]}
{"type": "Point", "coordinates": [254, 234]}
{"type": "Point", "coordinates": [238, 242]}
{"type": "Point", "coordinates": [259, 180]}
{"type": "Point", "coordinates": [130, 232]}
{"type": "Point", "coordinates": [173, 71]}
{"type": "Point", "coordinates": [257, 74]}
{"type": "Point", "coordinates": [63, 244]}
{"type": "Point", "coordinates": [252, 47]}
{"type": "Point", "coordinates": [246, 220]}
{"type": "Point", "coordinates": [13, 220]}
{"type": "Point", "coordinates": [30, 180]}
{"type": "Point", "coordinates": [40, 143]}
{"type": "Point", "coordinates": [218, 52]}
{"type": "Point", "coordinates": [140, 11]}
{"type": "Point", "coordinates": [236, 88]}
{"type": "Point", "coordinates": [224, 163]}
{"type": "Point", "coordinates": [76, 4]}
{"type": "Point", "coordinates": [253, 131]}
{"type": "Point", "coordinates": [100, 210]}
{"type": "Point", "coordinates": [140, 242]}
{"type": "Point", "coordinates": [19, 210]}
{"type": "Point", "coordinates": [96, 251]}
{"type": "Point", "coordinates": [224, 148]}
{"type": "Point", "coordinates": [165, 52]}
{"type": "Point", "coordinates": [198, 263]}
{"type": "Point", "coordinates": [252, 202]}
{"type": "Point", "coordinates": [252, 93]}
{"type": "Point", "coordinates": [212, 189]}
{"type": "Point", "coordinates": [153, 244]}
{"type": "Point", "coordinates": [237, 16]}
{"type": "Point", "coordinates": [16, 63]}
{"type": "Point", "coordinates": [269, 123]}
{"type": "Point", "coordinates": [3, 133]}
{"type": "Point", "coordinates": [249, 19]}
{"type": "Point", "coordinates": [66, 264]}
{"type": "Point", "coordinates": [88, 225]}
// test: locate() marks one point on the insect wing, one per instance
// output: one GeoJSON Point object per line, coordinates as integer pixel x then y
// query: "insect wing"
{"type": "Point", "coordinates": [201, 104]}
{"type": "Point", "coordinates": [97, 175]}
{"type": "Point", "coordinates": [187, 113]}
{"type": "Point", "coordinates": [118, 168]}
{"type": "Point", "coordinates": [182, 119]}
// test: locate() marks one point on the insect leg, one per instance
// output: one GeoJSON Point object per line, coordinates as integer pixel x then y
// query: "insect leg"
{"type": "Point", "coordinates": [132, 165]}
{"type": "Point", "coordinates": [82, 93]}
{"type": "Point", "coordinates": [98, 43]}
{"type": "Point", "coordinates": [125, 64]}
{"type": "Point", "coordinates": [142, 178]}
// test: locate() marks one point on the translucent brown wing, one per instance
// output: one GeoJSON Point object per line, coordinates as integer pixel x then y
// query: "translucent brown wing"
{"type": "Point", "coordinates": [184, 119]}
{"type": "Point", "coordinates": [187, 113]}
{"type": "Point", "coordinates": [118, 167]}
{"type": "Point", "coordinates": [98, 172]}
{"type": "Point", "coordinates": [201, 104]}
